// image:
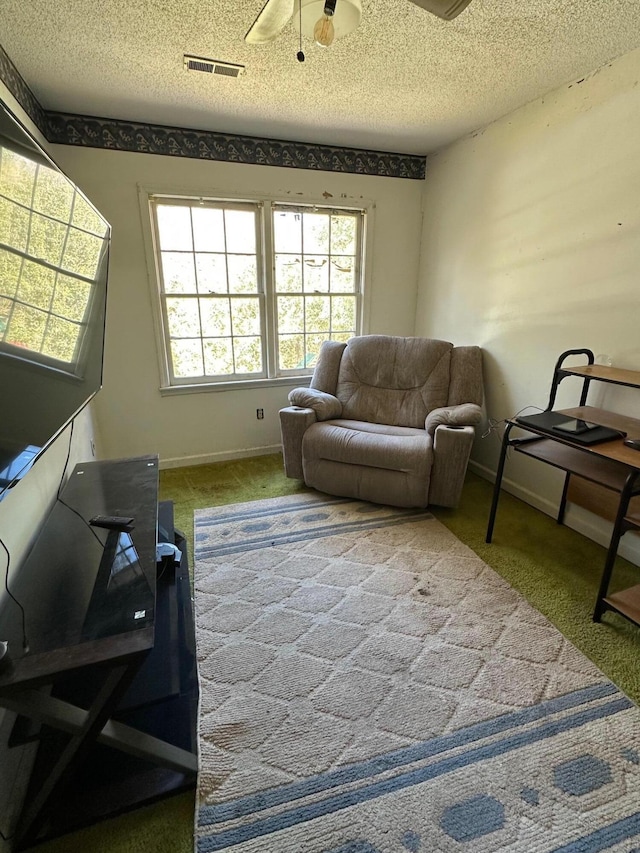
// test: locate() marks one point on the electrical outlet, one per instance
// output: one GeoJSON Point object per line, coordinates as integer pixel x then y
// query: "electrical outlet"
{"type": "Point", "coordinates": [260, 414]}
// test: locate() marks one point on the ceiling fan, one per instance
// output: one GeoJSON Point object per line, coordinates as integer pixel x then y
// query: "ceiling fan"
{"type": "Point", "coordinates": [337, 17]}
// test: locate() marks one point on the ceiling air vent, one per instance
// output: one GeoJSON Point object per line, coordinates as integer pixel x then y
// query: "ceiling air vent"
{"type": "Point", "coordinates": [212, 66]}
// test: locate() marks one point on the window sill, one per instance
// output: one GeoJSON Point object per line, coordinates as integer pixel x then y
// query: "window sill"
{"type": "Point", "coordinates": [245, 385]}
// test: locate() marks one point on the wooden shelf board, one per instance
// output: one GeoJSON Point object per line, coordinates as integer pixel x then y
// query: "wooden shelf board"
{"type": "Point", "coordinates": [596, 469]}
{"type": "Point", "coordinates": [626, 602]}
{"type": "Point", "coordinates": [604, 373]}
{"type": "Point", "coordinates": [613, 450]}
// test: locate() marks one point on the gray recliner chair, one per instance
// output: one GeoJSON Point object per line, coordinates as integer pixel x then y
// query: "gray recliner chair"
{"type": "Point", "coordinates": [386, 419]}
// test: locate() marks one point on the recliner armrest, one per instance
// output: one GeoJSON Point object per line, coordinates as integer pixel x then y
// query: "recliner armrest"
{"type": "Point", "coordinates": [465, 414]}
{"type": "Point", "coordinates": [294, 421]}
{"type": "Point", "coordinates": [326, 406]}
{"type": "Point", "coordinates": [451, 450]}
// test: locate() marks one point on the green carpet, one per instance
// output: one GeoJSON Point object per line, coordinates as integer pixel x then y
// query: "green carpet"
{"type": "Point", "coordinates": [556, 569]}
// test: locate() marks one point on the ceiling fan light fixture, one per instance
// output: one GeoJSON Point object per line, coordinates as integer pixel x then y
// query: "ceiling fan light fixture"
{"type": "Point", "coordinates": [310, 13]}
{"type": "Point", "coordinates": [324, 32]}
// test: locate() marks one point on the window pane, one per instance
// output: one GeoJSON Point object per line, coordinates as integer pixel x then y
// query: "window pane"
{"type": "Point", "coordinates": [208, 229]}
{"type": "Point", "coordinates": [243, 274]}
{"type": "Point", "coordinates": [174, 228]}
{"type": "Point", "coordinates": [82, 253]}
{"type": "Point", "coordinates": [71, 298]}
{"type": "Point", "coordinates": [343, 235]}
{"type": "Point", "coordinates": [36, 285]}
{"type": "Point", "coordinates": [288, 273]}
{"type": "Point", "coordinates": [86, 218]}
{"type": "Point", "coordinates": [46, 239]}
{"type": "Point", "coordinates": [14, 225]}
{"type": "Point", "coordinates": [53, 194]}
{"type": "Point", "coordinates": [211, 272]}
{"type": "Point", "coordinates": [178, 273]}
{"type": "Point", "coordinates": [218, 357]}
{"type": "Point", "coordinates": [342, 337]}
{"type": "Point", "coordinates": [26, 327]}
{"type": "Point", "coordinates": [245, 316]}
{"type": "Point", "coordinates": [9, 273]}
{"type": "Point", "coordinates": [291, 352]}
{"type": "Point", "coordinates": [216, 317]}
{"type": "Point", "coordinates": [316, 274]}
{"type": "Point", "coordinates": [5, 310]}
{"type": "Point", "coordinates": [183, 318]}
{"type": "Point", "coordinates": [343, 314]}
{"type": "Point", "coordinates": [17, 177]}
{"type": "Point", "coordinates": [343, 275]}
{"type": "Point", "coordinates": [248, 355]}
{"type": "Point", "coordinates": [240, 230]}
{"type": "Point", "coordinates": [287, 227]}
{"type": "Point", "coordinates": [186, 357]}
{"type": "Point", "coordinates": [317, 314]}
{"type": "Point", "coordinates": [60, 340]}
{"type": "Point", "coordinates": [316, 233]}
{"type": "Point", "coordinates": [314, 342]}
{"type": "Point", "coordinates": [290, 314]}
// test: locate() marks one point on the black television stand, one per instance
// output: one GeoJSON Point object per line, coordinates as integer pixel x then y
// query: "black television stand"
{"type": "Point", "coordinates": [111, 713]}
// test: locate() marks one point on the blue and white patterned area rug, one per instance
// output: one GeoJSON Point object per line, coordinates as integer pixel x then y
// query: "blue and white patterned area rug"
{"type": "Point", "coordinates": [369, 685]}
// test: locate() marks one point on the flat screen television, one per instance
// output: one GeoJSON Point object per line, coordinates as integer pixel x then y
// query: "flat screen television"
{"type": "Point", "coordinates": [54, 251]}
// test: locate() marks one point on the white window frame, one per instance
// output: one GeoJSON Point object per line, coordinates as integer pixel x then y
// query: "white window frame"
{"type": "Point", "coordinates": [266, 272]}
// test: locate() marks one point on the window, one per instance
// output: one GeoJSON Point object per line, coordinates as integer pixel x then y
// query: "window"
{"type": "Point", "coordinates": [250, 290]}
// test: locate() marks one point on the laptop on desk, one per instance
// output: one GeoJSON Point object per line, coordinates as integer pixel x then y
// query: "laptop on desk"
{"type": "Point", "coordinates": [573, 429]}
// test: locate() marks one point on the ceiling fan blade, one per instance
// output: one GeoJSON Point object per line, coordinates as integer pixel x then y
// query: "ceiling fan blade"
{"type": "Point", "coordinates": [447, 9]}
{"type": "Point", "coordinates": [270, 22]}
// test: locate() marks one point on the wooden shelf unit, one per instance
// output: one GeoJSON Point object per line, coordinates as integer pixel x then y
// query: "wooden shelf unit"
{"type": "Point", "coordinates": [603, 478]}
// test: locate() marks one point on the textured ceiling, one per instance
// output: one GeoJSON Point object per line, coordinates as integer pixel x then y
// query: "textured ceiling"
{"type": "Point", "coordinates": [404, 81]}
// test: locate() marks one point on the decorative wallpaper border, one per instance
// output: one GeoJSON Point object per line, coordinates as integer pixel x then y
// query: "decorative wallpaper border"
{"type": "Point", "coordinates": [117, 135]}
{"type": "Point", "coordinates": [16, 84]}
{"type": "Point", "coordinates": [206, 145]}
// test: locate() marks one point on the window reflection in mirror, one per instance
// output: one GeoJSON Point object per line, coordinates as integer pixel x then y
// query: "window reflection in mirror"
{"type": "Point", "coordinates": [51, 241]}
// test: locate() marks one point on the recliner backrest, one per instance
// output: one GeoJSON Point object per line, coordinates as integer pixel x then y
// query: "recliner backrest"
{"type": "Point", "coordinates": [393, 380]}
{"type": "Point", "coordinates": [466, 376]}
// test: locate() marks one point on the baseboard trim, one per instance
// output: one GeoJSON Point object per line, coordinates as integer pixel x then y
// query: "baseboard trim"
{"type": "Point", "coordinates": [578, 519]}
{"type": "Point", "coordinates": [224, 456]}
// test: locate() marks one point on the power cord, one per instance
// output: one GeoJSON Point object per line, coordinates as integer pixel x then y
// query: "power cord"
{"type": "Point", "coordinates": [66, 463]}
{"type": "Point", "coordinates": [497, 427]}
{"type": "Point", "coordinates": [82, 519]}
{"type": "Point", "coordinates": [25, 642]}
{"type": "Point", "coordinates": [494, 425]}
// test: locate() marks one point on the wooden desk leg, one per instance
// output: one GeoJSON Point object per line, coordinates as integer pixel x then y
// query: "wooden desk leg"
{"type": "Point", "coordinates": [498, 482]}
{"type": "Point", "coordinates": [563, 500]}
{"type": "Point", "coordinates": [616, 535]}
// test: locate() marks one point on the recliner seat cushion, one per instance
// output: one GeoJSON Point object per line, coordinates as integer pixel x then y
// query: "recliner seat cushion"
{"type": "Point", "coordinates": [378, 462]}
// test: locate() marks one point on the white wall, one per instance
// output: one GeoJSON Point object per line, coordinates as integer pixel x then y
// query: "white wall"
{"type": "Point", "coordinates": [133, 417]}
{"type": "Point", "coordinates": [531, 246]}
